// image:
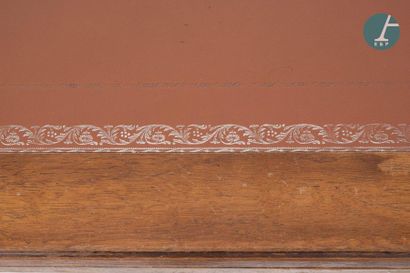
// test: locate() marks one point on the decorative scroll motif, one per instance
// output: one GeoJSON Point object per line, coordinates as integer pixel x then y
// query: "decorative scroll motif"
{"type": "Point", "coordinates": [183, 137]}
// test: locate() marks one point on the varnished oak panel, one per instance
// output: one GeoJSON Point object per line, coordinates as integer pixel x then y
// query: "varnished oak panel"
{"type": "Point", "coordinates": [134, 210]}
{"type": "Point", "coordinates": [274, 202]}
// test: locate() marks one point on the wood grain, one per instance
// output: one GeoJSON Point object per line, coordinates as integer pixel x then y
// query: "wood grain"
{"type": "Point", "coordinates": [190, 270]}
{"type": "Point", "coordinates": [278, 202]}
{"type": "Point", "coordinates": [187, 261]}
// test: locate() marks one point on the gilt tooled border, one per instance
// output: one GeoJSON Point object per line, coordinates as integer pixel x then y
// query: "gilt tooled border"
{"type": "Point", "coordinates": [205, 138]}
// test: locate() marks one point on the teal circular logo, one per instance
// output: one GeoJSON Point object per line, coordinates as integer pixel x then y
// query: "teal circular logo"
{"type": "Point", "coordinates": [381, 31]}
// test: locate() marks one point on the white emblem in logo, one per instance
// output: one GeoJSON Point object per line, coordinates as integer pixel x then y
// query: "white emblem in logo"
{"type": "Point", "coordinates": [382, 40]}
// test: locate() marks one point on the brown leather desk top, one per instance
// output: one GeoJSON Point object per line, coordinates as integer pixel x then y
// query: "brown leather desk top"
{"type": "Point", "coordinates": [201, 76]}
